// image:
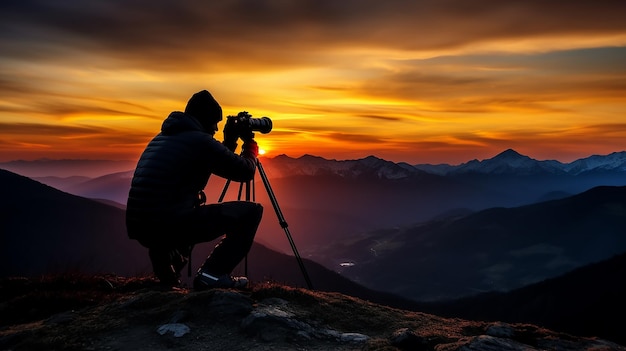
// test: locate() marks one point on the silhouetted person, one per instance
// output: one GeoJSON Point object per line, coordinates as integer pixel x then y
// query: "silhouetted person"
{"type": "Point", "coordinates": [165, 212]}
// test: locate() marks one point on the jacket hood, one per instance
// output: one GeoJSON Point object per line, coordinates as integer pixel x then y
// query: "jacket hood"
{"type": "Point", "coordinates": [178, 122]}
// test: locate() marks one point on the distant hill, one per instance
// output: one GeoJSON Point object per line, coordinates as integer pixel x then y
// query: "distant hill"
{"type": "Point", "coordinates": [67, 167]}
{"type": "Point", "coordinates": [496, 249]}
{"type": "Point", "coordinates": [47, 230]}
{"type": "Point", "coordinates": [113, 187]}
{"type": "Point", "coordinates": [587, 301]}
{"type": "Point", "coordinates": [61, 183]}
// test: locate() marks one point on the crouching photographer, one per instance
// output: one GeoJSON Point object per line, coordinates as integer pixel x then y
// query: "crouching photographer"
{"type": "Point", "coordinates": [164, 212]}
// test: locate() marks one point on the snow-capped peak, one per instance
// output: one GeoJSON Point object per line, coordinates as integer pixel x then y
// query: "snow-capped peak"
{"type": "Point", "coordinates": [508, 162]}
{"type": "Point", "coordinates": [370, 166]}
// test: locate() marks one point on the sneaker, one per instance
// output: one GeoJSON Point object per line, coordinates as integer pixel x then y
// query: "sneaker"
{"type": "Point", "coordinates": [204, 281]}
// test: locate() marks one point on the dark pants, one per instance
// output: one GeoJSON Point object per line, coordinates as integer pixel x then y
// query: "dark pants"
{"type": "Point", "coordinates": [237, 221]}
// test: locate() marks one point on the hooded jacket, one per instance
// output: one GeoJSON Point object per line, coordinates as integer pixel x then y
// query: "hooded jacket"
{"type": "Point", "coordinates": [174, 167]}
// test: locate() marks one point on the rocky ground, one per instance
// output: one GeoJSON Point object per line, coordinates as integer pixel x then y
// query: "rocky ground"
{"type": "Point", "coordinates": [116, 313]}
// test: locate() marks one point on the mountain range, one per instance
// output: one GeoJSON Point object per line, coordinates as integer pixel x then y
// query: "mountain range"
{"type": "Point", "coordinates": [512, 162]}
{"type": "Point", "coordinates": [420, 236]}
{"type": "Point", "coordinates": [507, 179]}
{"type": "Point", "coordinates": [330, 204]}
{"type": "Point", "coordinates": [351, 193]}
{"type": "Point", "coordinates": [506, 162]}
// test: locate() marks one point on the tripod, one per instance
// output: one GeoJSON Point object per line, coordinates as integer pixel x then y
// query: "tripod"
{"type": "Point", "coordinates": [279, 214]}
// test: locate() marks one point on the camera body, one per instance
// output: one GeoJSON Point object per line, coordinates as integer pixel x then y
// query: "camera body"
{"type": "Point", "coordinates": [243, 126]}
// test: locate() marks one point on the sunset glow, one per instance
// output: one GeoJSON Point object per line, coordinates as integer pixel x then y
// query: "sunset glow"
{"type": "Point", "coordinates": [419, 82]}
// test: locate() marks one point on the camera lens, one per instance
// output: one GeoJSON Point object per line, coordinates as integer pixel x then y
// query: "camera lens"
{"type": "Point", "coordinates": [263, 124]}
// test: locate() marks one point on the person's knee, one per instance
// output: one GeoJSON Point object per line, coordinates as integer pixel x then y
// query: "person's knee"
{"type": "Point", "coordinates": [257, 212]}
{"type": "Point", "coordinates": [243, 210]}
{"type": "Point", "coordinates": [253, 213]}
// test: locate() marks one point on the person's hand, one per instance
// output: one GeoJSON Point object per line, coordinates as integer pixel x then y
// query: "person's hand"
{"type": "Point", "coordinates": [231, 145]}
{"type": "Point", "coordinates": [246, 134]}
{"type": "Point", "coordinates": [231, 134]}
{"type": "Point", "coordinates": [250, 149]}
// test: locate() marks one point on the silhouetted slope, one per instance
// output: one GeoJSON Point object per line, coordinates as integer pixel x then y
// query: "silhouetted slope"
{"type": "Point", "coordinates": [494, 249]}
{"type": "Point", "coordinates": [110, 186]}
{"type": "Point", "coordinates": [45, 230]}
{"type": "Point", "coordinates": [587, 301]}
{"type": "Point", "coordinates": [67, 167]}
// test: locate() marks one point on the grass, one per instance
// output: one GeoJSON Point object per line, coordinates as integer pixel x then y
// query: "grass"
{"type": "Point", "coordinates": [25, 300]}
{"type": "Point", "coordinates": [78, 312]}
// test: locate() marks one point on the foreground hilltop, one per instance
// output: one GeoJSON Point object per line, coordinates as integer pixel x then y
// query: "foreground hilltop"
{"type": "Point", "coordinates": [115, 313]}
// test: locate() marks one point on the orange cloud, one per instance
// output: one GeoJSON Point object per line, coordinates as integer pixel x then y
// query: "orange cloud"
{"type": "Point", "coordinates": [408, 80]}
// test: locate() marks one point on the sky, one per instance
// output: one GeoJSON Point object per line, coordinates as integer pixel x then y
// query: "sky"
{"type": "Point", "coordinates": [433, 81]}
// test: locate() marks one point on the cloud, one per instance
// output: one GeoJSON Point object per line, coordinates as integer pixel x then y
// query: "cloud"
{"type": "Point", "coordinates": [479, 74]}
{"type": "Point", "coordinates": [355, 138]}
{"type": "Point", "coordinates": [47, 129]}
{"type": "Point", "coordinates": [51, 132]}
{"type": "Point", "coordinates": [539, 82]}
{"type": "Point", "coordinates": [381, 118]}
{"type": "Point", "coordinates": [36, 140]}
{"type": "Point", "coordinates": [244, 34]}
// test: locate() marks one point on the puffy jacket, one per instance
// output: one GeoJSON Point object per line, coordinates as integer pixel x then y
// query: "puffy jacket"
{"type": "Point", "coordinates": [173, 168]}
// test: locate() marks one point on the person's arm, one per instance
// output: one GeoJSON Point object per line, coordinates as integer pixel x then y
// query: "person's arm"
{"type": "Point", "coordinates": [226, 164]}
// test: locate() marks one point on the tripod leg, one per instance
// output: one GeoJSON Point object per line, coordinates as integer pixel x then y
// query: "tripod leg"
{"type": "Point", "coordinates": [279, 214]}
{"type": "Point", "coordinates": [224, 191]}
{"type": "Point", "coordinates": [283, 223]}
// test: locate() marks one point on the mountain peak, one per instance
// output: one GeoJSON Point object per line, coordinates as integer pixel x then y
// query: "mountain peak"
{"type": "Point", "coordinates": [509, 154]}
{"type": "Point", "coordinates": [509, 162]}
{"type": "Point", "coordinates": [370, 166]}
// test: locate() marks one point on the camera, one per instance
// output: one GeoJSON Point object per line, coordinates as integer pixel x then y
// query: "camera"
{"type": "Point", "coordinates": [243, 125]}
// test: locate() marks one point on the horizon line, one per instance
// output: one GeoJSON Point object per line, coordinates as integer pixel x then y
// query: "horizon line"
{"type": "Point", "coordinates": [47, 159]}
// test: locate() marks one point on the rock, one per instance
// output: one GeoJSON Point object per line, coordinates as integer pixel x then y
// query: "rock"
{"type": "Point", "coordinates": [178, 329]}
{"type": "Point", "coordinates": [487, 343]}
{"type": "Point", "coordinates": [272, 322]}
{"type": "Point", "coordinates": [501, 330]}
{"type": "Point", "coordinates": [406, 339]}
{"type": "Point", "coordinates": [355, 338]}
